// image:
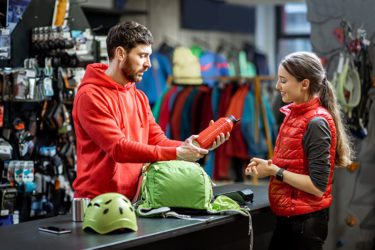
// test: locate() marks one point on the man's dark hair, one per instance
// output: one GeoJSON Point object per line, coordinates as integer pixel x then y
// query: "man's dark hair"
{"type": "Point", "coordinates": [127, 35]}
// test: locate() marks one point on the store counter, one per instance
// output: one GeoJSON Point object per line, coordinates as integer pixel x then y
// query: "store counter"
{"type": "Point", "coordinates": [219, 232]}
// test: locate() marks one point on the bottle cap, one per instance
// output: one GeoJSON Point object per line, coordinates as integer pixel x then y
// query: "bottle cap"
{"type": "Point", "coordinates": [233, 119]}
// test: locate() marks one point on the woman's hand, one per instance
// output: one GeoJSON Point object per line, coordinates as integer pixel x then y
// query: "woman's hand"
{"type": "Point", "coordinates": [261, 168]}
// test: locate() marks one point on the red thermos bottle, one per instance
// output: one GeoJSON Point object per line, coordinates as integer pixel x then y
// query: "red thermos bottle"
{"type": "Point", "coordinates": [208, 135]}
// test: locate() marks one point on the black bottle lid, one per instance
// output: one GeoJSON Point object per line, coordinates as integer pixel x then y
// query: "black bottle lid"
{"type": "Point", "coordinates": [233, 119]}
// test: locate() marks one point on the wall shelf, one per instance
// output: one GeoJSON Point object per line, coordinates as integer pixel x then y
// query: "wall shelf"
{"type": "Point", "coordinates": [101, 20]}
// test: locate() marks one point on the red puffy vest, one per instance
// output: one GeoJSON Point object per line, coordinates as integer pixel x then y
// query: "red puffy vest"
{"type": "Point", "coordinates": [289, 154]}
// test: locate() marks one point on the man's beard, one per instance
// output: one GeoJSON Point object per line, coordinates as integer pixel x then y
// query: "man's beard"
{"type": "Point", "coordinates": [129, 73]}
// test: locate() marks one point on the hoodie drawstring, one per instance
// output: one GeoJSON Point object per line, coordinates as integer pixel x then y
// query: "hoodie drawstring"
{"type": "Point", "coordinates": [137, 107]}
{"type": "Point", "coordinates": [120, 105]}
{"type": "Point", "coordinates": [121, 110]}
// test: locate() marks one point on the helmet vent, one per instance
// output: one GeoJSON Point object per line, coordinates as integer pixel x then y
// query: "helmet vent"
{"type": "Point", "coordinates": [109, 201]}
{"type": "Point", "coordinates": [105, 211]}
{"type": "Point", "coordinates": [131, 209]}
{"type": "Point", "coordinates": [96, 204]}
{"type": "Point", "coordinates": [121, 210]}
{"type": "Point", "coordinates": [126, 201]}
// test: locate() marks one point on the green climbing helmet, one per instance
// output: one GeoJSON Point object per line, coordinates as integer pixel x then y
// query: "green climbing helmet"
{"type": "Point", "coordinates": [108, 212]}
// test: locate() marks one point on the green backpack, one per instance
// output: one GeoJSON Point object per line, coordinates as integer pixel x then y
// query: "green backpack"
{"type": "Point", "coordinates": [179, 188]}
{"type": "Point", "coordinates": [181, 185]}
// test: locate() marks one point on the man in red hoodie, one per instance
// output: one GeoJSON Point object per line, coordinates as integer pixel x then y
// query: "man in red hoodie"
{"type": "Point", "coordinates": [115, 130]}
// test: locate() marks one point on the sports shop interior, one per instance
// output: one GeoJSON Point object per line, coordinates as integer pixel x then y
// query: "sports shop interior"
{"type": "Point", "coordinates": [211, 68]}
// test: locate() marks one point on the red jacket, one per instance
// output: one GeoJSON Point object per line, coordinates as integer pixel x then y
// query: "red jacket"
{"type": "Point", "coordinates": [286, 200]}
{"type": "Point", "coordinates": [116, 133]}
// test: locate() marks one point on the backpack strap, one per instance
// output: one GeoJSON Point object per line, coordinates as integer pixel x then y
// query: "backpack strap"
{"type": "Point", "coordinates": [184, 216]}
{"type": "Point", "coordinates": [140, 180]}
{"type": "Point", "coordinates": [139, 185]}
{"type": "Point", "coordinates": [166, 212]}
{"type": "Point", "coordinates": [152, 212]}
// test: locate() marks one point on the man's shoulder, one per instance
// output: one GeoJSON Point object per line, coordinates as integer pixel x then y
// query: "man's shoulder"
{"type": "Point", "coordinates": [141, 94]}
{"type": "Point", "coordinates": [92, 91]}
{"type": "Point", "coordinates": [90, 88]}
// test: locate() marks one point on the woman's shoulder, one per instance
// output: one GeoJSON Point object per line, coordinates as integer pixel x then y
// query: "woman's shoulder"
{"type": "Point", "coordinates": [318, 121]}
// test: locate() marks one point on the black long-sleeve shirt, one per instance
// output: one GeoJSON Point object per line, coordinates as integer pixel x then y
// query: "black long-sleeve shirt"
{"type": "Point", "coordinates": [316, 144]}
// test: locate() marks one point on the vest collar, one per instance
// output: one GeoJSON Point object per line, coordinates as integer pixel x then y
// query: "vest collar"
{"type": "Point", "coordinates": [301, 108]}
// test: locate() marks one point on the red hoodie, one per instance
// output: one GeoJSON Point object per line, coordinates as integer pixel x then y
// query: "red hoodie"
{"type": "Point", "coordinates": [116, 134]}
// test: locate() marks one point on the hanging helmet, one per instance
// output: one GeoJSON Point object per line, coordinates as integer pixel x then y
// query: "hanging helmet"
{"type": "Point", "coordinates": [109, 212]}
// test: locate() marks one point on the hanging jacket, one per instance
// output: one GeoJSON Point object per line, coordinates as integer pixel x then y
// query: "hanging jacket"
{"type": "Point", "coordinates": [289, 154]}
{"type": "Point", "coordinates": [154, 80]}
{"type": "Point", "coordinates": [176, 113]}
{"type": "Point", "coordinates": [254, 135]}
{"type": "Point", "coordinates": [157, 106]}
{"type": "Point", "coordinates": [213, 65]}
{"type": "Point", "coordinates": [256, 139]}
{"type": "Point", "coordinates": [236, 146]}
{"type": "Point", "coordinates": [186, 116]}
{"type": "Point", "coordinates": [201, 112]}
{"type": "Point", "coordinates": [116, 133]}
{"type": "Point", "coordinates": [165, 108]}
{"type": "Point", "coordinates": [222, 161]}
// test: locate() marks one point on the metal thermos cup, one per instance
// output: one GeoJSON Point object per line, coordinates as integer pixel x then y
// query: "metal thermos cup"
{"type": "Point", "coordinates": [79, 206]}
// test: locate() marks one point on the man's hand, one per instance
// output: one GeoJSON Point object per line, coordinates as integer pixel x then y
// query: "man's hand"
{"type": "Point", "coordinates": [261, 168]}
{"type": "Point", "coordinates": [189, 152]}
{"type": "Point", "coordinates": [220, 139]}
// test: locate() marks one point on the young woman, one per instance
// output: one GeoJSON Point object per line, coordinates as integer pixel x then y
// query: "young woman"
{"type": "Point", "coordinates": [311, 141]}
